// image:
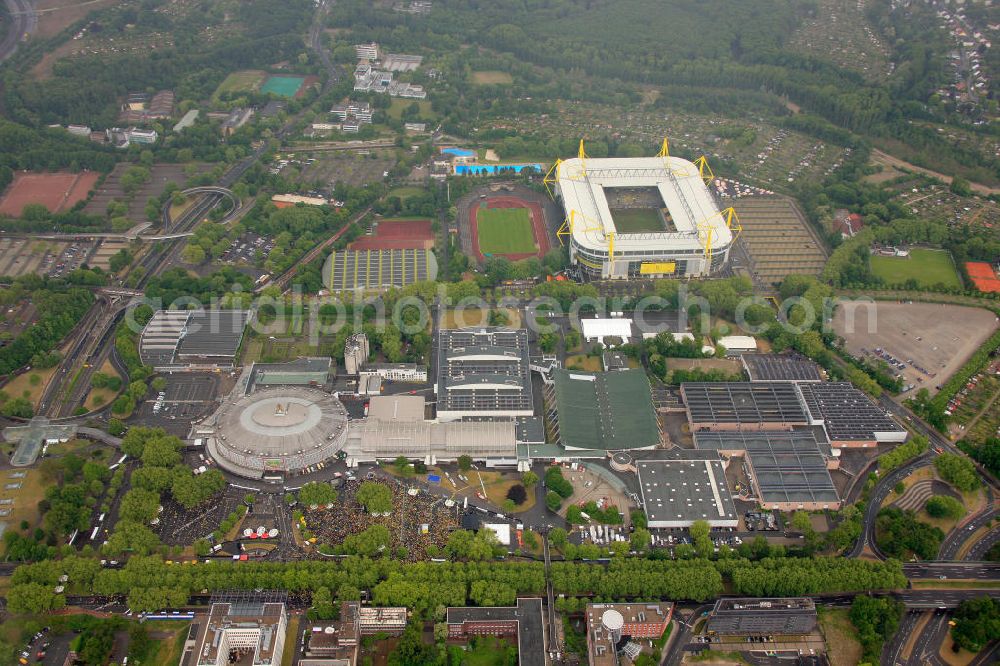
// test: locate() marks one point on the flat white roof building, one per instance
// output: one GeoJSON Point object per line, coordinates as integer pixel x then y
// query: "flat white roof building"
{"type": "Point", "coordinates": [738, 343]}
{"type": "Point", "coordinates": [643, 216]}
{"type": "Point", "coordinates": [599, 329]}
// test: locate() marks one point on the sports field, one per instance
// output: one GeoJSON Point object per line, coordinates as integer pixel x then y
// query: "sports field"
{"type": "Point", "coordinates": [56, 190]}
{"type": "Point", "coordinates": [927, 267]}
{"type": "Point", "coordinates": [637, 220]}
{"type": "Point", "coordinates": [283, 86]}
{"type": "Point", "coordinates": [246, 80]}
{"type": "Point", "coordinates": [505, 231]}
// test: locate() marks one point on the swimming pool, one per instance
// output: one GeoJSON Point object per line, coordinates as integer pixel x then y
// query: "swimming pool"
{"type": "Point", "coordinates": [458, 152]}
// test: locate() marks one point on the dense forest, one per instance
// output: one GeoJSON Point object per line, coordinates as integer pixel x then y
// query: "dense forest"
{"type": "Point", "coordinates": [265, 33]}
{"type": "Point", "coordinates": [696, 49]}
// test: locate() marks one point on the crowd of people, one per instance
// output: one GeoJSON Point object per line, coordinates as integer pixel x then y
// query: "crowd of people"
{"type": "Point", "coordinates": [406, 522]}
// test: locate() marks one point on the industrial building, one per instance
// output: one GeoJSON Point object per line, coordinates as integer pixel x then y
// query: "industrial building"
{"type": "Point", "coordinates": [604, 330]}
{"type": "Point", "coordinates": [788, 469]}
{"type": "Point", "coordinates": [483, 372]}
{"type": "Point", "coordinates": [848, 417]}
{"type": "Point", "coordinates": [743, 405]}
{"type": "Point", "coordinates": [679, 490]}
{"type": "Point", "coordinates": [395, 427]}
{"type": "Point", "coordinates": [762, 616]}
{"type": "Point", "coordinates": [193, 339]}
{"type": "Point", "coordinates": [245, 627]}
{"type": "Point", "coordinates": [312, 371]}
{"type": "Point", "coordinates": [642, 217]}
{"type": "Point", "coordinates": [610, 628]}
{"type": "Point", "coordinates": [523, 622]}
{"type": "Point", "coordinates": [604, 411]}
{"type": "Point", "coordinates": [780, 368]}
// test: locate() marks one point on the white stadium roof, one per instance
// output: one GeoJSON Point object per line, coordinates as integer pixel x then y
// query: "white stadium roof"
{"type": "Point", "coordinates": [582, 182]}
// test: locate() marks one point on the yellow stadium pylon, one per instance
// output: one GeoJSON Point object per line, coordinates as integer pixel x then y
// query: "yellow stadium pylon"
{"type": "Point", "coordinates": [704, 170]}
{"type": "Point", "coordinates": [664, 148]}
{"type": "Point", "coordinates": [552, 177]}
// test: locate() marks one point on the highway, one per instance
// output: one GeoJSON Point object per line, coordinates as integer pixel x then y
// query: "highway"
{"type": "Point", "coordinates": [953, 544]}
{"type": "Point", "coordinates": [953, 570]}
{"type": "Point", "coordinates": [892, 650]}
{"type": "Point", "coordinates": [77, 339]}
{"type": "Point", "coordinates": [875, 500]}
{"type": "Point", "coordinates": [23, 22]}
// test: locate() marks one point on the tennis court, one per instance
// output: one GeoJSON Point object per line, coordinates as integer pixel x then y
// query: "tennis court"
{"type": "Point", "coordinates": [283, 86]}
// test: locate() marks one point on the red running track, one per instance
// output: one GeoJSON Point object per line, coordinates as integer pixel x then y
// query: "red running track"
{"type": "Point", "coordinates": [537, 226]}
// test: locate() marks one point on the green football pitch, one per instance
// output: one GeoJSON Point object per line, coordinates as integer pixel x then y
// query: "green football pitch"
{"type": "Point", "coordinates": [505, 231]}
{"type": "Point", "coordinates": [636, 220]}
{"type": "Point", "coordinates": [927, 267]}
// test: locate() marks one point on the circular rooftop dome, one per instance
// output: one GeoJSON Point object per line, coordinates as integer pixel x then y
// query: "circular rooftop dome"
{"type": "Point", "coordinates": [281, 429]}
{"type": "Point", "coordinates": [612, 620]}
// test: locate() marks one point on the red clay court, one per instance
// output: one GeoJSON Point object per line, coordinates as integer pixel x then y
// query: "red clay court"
{"type": "Point", "coordinates": [398, 235]}
{"type": "Point", "coordinates": [537, 226]}
{"type": "Point", "coordinates": [983, 276]}
{"type": "Point", "coordinates": [57, 191]}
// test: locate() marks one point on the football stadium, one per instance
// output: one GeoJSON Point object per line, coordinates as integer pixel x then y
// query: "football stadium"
{"type": "Point", "coordinates": [642, 217]}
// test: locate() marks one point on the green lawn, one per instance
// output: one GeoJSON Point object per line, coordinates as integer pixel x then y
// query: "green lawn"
{"type": "Point", "coordinates": [637, 220]}
{"type": "Point", "coordinates": [927, 267]}
{"type": "Point", "coordinates": [246, 80]}
{"type": "Point", "coordinates": [492, 78]}
{"type": "Point", "coordinates": [405, 193]}
{"type": "Point", "coordinates": [505, 231]}
{"type": "Point", "coordinates": [399, 104]}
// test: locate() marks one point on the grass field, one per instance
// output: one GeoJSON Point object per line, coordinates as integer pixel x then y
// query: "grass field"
{"type": "Point", "coordinates": [29, 384]}
{"type": "Point", "coordinates": [505, 231]}
{"type": "Point", "coordinates": [841, 637]}
{"type": "Point", "coordinates": [927, 267]}
{"type": "Point", "coordinates": [246, 80]}
{"type": "Point", "coordinates": [405, 193]}
{"type": "Point", "coordinates": [398, 105]}
{"type": "Point", "coordinates": [637, 220]}
{"type": "Point", "coordinates": [492, 78]}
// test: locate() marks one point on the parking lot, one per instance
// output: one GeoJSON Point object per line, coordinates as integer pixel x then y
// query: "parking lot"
{"type": "Point", "coordinates": [247, 249]}
{"type": "Point", "coordinates": [924, 343]}
{"type": "Point", "coordinates": [21, 256]}
{"type": "Point", "coordinates": [345, 167]}
{"type": "Point", "coordinates": [188, 396]}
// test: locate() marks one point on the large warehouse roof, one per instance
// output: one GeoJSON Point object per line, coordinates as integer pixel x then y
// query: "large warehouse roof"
{"type": "Point", "coordinates": [605, 411]}
{"type": "Point", "coordinates": [735, 404]}
{"type": "Point", "coordinates": [483, 371]}
{"type": "Point", "coordinates": [677, 492]}
{"type": "Point", "coordinates": [372, 438]}
{"type": "Point", "coordinates": [581, 184]}
{"type": "Point", "coordinates": [789, 466]}
{"type": "Point", "coordinates": [781, 367]}
{"type": "Point", "coordinates": [848, 414]}
{"type": "Point", "coordinates": [184, 336]}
